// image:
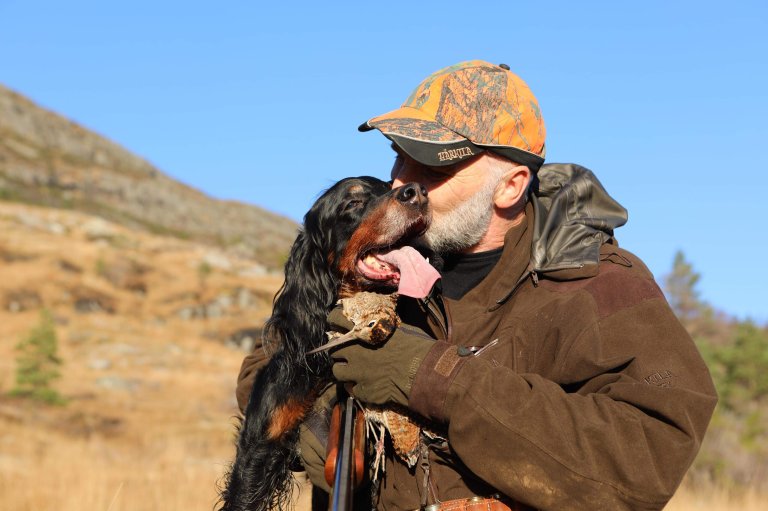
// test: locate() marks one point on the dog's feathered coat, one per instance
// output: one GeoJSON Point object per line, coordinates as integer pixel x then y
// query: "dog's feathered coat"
{"type": "Point", "coordinates": [352, 218]}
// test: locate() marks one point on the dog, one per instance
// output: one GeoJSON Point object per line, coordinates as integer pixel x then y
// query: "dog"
{"type": "Point", "coordinates": [334, 256]}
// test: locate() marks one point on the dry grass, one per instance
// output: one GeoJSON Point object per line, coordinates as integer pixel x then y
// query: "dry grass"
{"type": "Point", "coordinates": [177, 471]}
{"type": "Point", "coordinates": [161, 442]}
{"type": "Point", "coordinates": [717, 500]}
{"type": "Point", "coordinates": [173, 468]}
{"type": "Point", "coordinates": [161, 445]}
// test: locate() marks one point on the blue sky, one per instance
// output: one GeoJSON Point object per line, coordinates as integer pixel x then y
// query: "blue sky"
{"type": "Point", "coordinates": [667, 102]}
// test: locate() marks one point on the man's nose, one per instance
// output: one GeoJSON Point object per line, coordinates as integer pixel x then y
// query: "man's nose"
{"type": "Point", "coordinates": [398, 181]}
{"type": "Point", "coordinates": [407, 170]}
{"type": "Point", "coordinates": [403, 178]}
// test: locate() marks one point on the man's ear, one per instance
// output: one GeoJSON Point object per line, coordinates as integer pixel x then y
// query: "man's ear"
{"type": "Point", "coordinates": [512, 187]}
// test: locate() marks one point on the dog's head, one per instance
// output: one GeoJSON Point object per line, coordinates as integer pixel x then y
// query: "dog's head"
{"type": "Point", "coordinates": [362, 218]}
{"type": "Point", "coordinates": [336, 255]}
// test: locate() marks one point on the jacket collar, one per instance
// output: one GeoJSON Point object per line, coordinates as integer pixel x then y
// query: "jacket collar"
{"type": "Point", "coordinates": [568, 218]}
{"type": "Point", "coordinates": [574, 216]}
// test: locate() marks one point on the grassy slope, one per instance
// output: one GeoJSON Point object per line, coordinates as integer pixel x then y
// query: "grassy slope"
{"type": "Point", "coordinates": [151, 395]}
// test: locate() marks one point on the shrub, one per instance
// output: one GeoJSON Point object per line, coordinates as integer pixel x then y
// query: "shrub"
{"type": "Point", "coordinates": [37, 363]}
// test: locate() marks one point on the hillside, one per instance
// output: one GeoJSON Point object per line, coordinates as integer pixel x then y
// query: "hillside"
{"type": "Point", "coordinates": [49, 160]}
{"type": "Point", "coordinates": [151, 331]}
{"type": "Point", "coordinates": [156, 292]}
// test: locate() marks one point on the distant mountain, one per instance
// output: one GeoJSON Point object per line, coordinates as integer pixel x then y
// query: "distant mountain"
{"type": "Point", "coordinates": [49, 160]}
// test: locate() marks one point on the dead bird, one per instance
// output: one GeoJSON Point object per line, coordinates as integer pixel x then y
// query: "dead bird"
{"type": "Point", "coordinates": [374, 318]}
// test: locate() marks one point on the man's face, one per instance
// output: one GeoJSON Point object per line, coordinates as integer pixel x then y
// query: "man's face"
{"type": "Point", "coordinates": [461, 197]}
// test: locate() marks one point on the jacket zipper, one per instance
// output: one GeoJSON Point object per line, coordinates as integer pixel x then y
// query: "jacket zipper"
{"type": "Point", "coordinates": [434, 311]}
{"type": "Point", "coordinates": [534, 276]}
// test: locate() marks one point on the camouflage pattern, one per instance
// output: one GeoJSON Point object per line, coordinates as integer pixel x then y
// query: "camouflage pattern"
{"type": "Point", "coordinates": [474, 100]}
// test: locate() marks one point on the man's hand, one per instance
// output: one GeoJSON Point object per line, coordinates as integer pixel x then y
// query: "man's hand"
{"type": "Point", "coordinates": [380, 374]}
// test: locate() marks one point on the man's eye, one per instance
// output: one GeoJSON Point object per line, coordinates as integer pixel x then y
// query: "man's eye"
{"type": "Point", "coordinates": [434, 175]}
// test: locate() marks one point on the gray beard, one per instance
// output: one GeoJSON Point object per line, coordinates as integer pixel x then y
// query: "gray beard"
{"type": "Point", "coordinates": [464, 226]}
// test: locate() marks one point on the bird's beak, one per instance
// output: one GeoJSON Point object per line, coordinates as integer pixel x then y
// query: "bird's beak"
{"type": "Point", "coordinates": [338, 341]}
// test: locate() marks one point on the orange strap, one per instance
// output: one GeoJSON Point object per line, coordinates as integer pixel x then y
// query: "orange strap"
{"type": "Point", "coordinates": [477, 504]}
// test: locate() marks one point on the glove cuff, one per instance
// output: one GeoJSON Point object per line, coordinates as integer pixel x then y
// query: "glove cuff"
{"type": "Point", "coordinates": [338, 321]}
{"type": "Point", "coordinates": [433, 379]}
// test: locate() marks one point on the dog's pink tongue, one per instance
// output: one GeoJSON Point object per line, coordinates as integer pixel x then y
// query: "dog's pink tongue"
{"type": "Point", "coordinates": [417, 276]}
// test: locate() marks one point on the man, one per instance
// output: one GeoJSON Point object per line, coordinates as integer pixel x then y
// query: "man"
{"type": "Point", "coordinates": [560, 378]}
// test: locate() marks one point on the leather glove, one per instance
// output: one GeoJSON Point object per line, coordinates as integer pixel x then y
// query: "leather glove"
{"type": "Point", "coordinates": [384, 373]}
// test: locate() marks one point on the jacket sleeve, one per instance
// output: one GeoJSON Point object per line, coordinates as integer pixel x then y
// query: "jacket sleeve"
{"type": "Point", "coordinates": [313, 438]}
{"type": "Point", "coordinates": [613, 424]}
{"type": "Point", "coordinates": [248, 371]}
{"type": "Point", "coordinates": [313, 432]}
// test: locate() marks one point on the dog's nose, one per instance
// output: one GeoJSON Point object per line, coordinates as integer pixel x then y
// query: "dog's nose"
{"type": "Point", "coordinates": [412, 193]}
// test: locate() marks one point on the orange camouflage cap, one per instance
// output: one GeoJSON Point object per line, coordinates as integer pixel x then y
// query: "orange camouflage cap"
{"type": "Point", "coordinates": [463, 110]}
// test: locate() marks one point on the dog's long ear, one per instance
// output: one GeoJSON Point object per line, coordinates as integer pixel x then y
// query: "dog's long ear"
{"type": "Point", "coordinates": [282, 392]}
{"type": "Point", "coordinates": [298, 321]}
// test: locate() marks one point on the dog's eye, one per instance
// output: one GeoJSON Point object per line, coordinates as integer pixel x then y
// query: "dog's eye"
{"type": "Point", "coordinates": [372, 324]}
{"type": "Point", "coordinates": [354, 203]}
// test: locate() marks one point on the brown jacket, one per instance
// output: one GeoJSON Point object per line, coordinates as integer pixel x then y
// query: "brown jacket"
{"type": "Point", "coordinates": [589, 395]}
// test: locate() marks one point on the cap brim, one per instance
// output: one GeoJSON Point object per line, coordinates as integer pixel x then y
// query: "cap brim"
{"type": "Point", "coordinates": [430, 143]}
{"type": "Point", "coordinates": [531, 160]}
{"type": "Point", "coordinates": [421, 138]}
{"type": "Point", "coordinates": [435, 154]}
